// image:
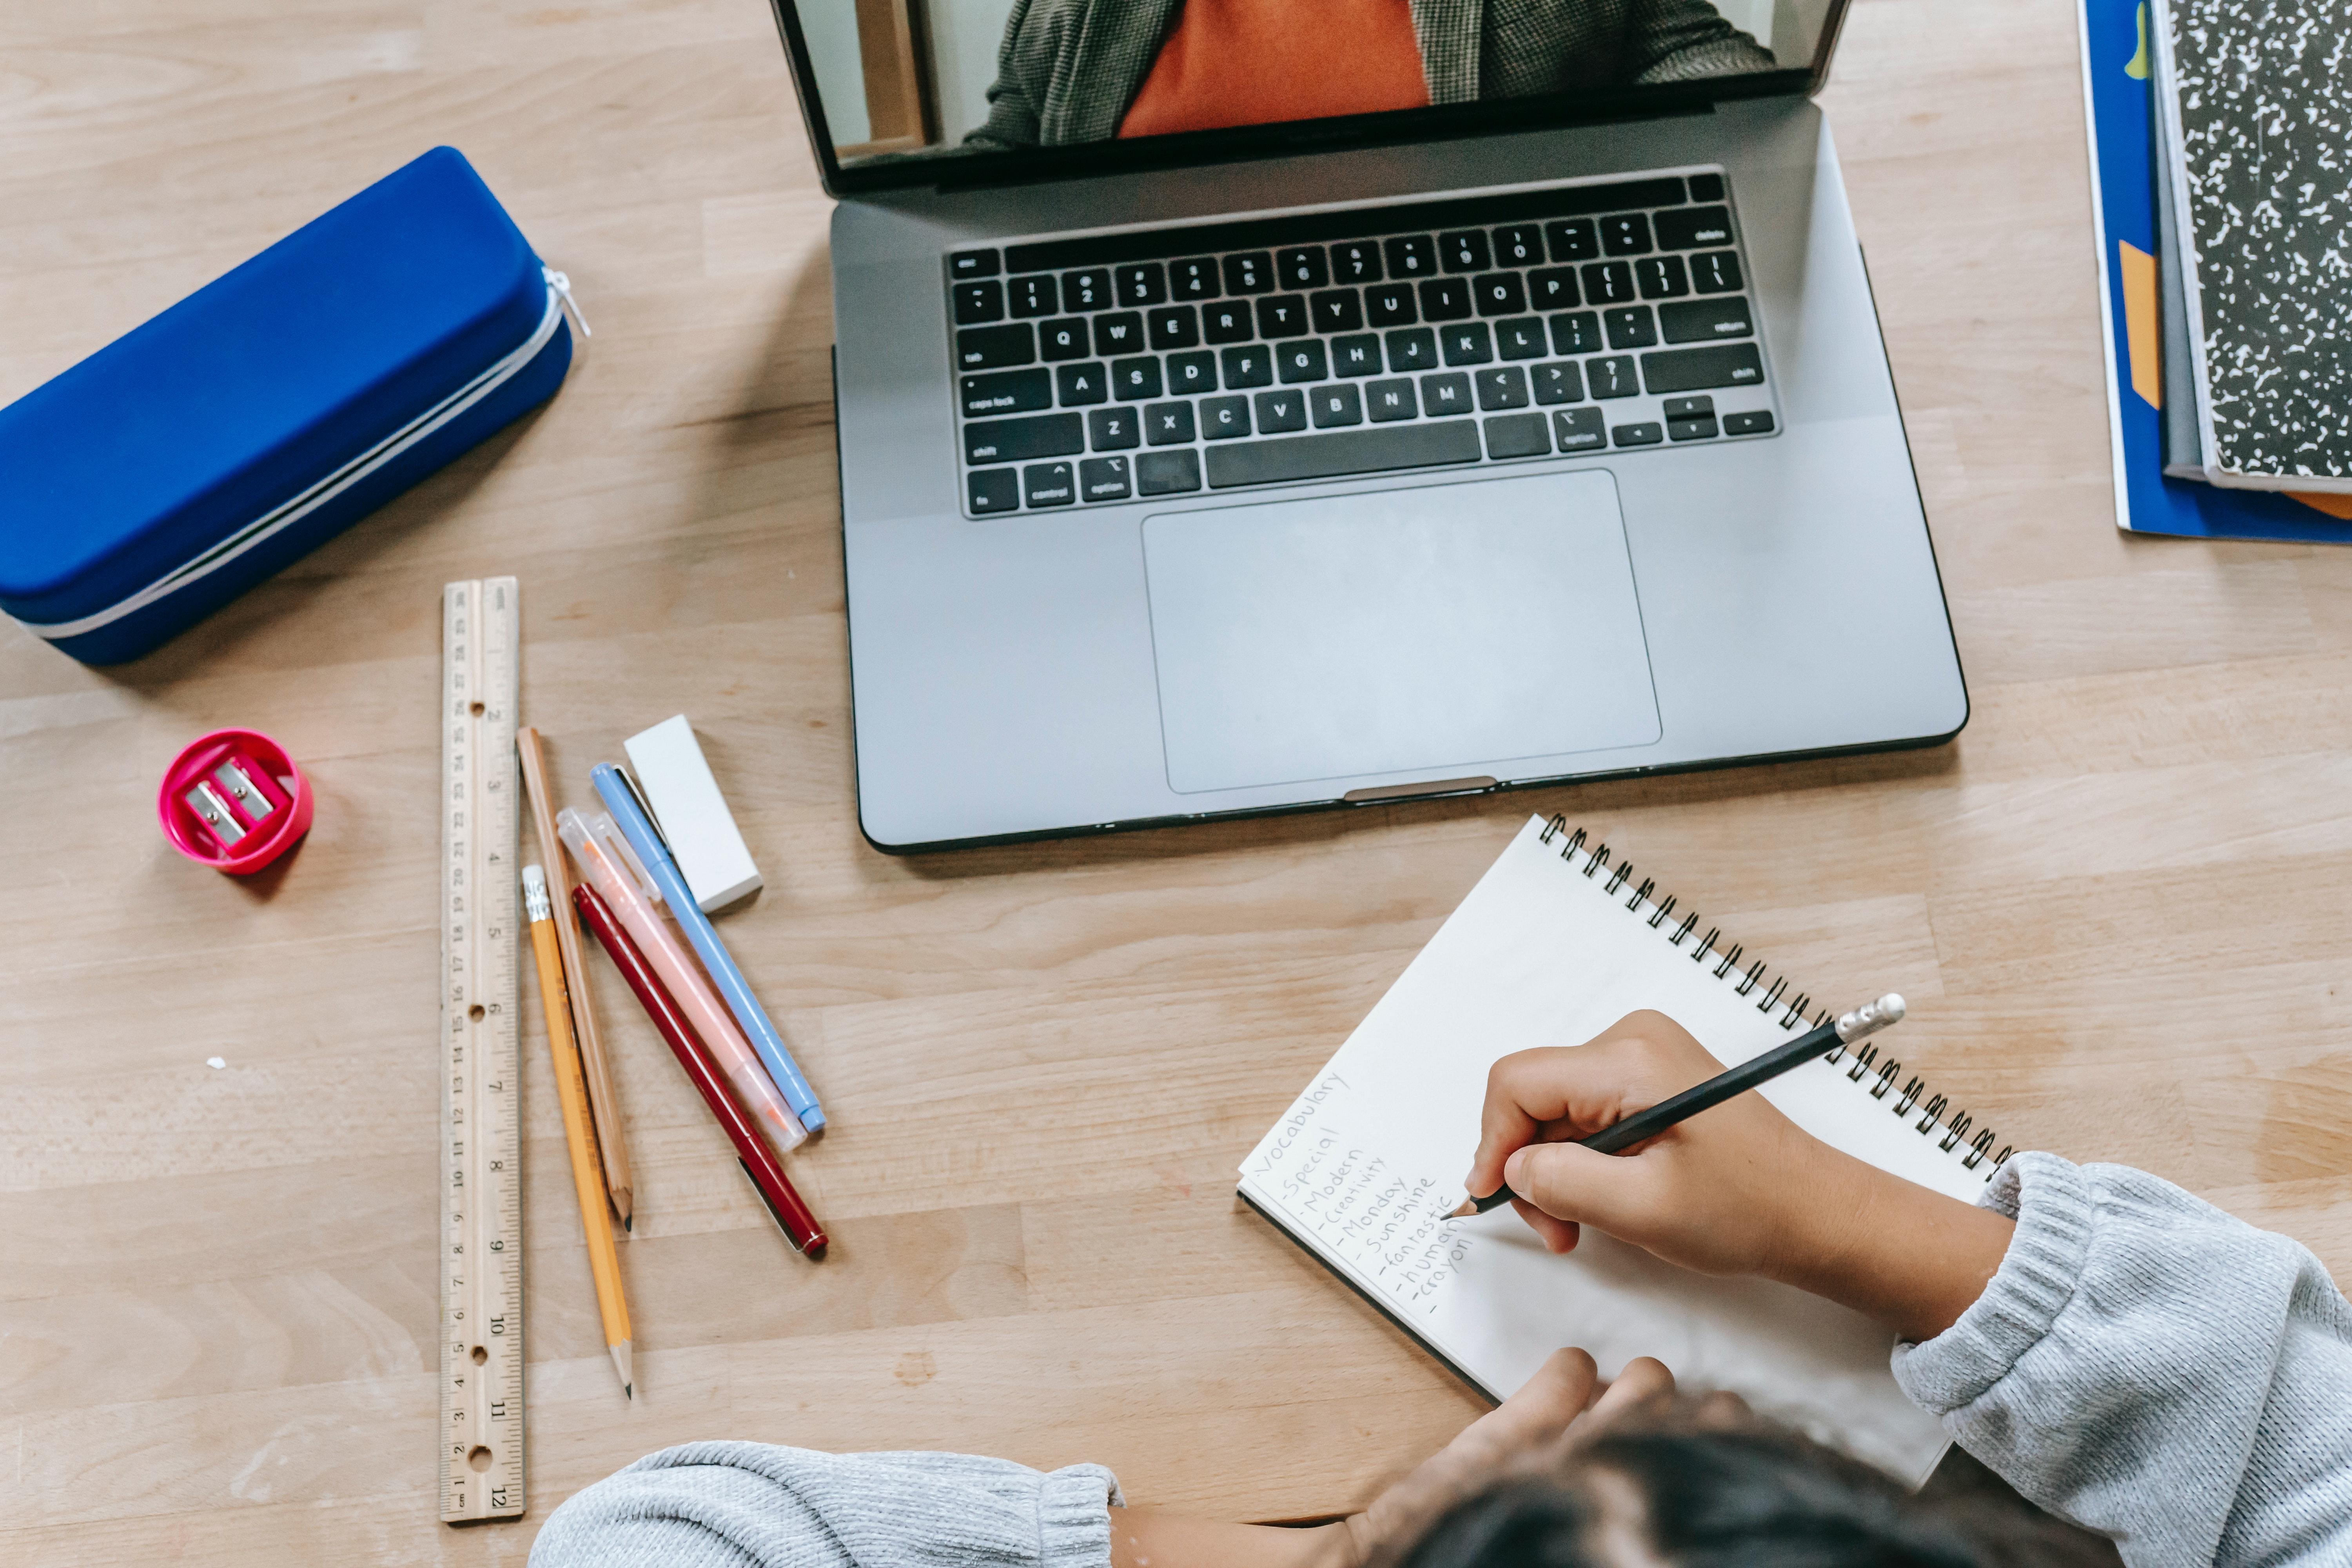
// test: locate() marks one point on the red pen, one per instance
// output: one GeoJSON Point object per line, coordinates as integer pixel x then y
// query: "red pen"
{"type": "Point", "coordinates": [758, 1163]}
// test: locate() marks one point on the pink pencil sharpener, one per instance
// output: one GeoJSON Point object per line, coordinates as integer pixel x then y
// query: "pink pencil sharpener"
{"type": "Point", "coordinates": [234, 801]}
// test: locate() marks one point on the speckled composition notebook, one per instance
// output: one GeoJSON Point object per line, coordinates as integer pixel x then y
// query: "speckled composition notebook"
{"type": "Point", "coordinates": [1559, 939]}
{"type": "Point", "coordinates": [2256, 97]}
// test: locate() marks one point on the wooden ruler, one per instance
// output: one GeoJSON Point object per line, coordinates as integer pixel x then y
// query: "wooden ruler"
{"type": "Point", "coordinates": [481, 1095]}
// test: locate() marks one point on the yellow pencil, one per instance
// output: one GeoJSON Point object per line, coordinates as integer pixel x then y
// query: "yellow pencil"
{"type": "Point", "coordinates": [603, 1260]}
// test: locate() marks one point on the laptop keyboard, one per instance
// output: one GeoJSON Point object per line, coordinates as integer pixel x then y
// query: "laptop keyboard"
{"type": "Point", "coordinates": [1478, 330]}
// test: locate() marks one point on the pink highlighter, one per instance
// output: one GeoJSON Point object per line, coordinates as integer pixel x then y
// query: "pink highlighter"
{"type": "Point", "coordinates": [608, 865]}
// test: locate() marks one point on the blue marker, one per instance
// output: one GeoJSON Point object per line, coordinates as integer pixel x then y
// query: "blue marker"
{"type": "Point", "coordinates": [636, 825]}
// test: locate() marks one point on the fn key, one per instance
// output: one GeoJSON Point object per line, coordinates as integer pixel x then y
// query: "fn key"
{"type": "Point", "coordinates": [993, 489]}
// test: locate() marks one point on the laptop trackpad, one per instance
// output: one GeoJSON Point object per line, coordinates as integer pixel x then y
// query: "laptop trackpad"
{"type": "Point", "coordinates": [1455, 626]}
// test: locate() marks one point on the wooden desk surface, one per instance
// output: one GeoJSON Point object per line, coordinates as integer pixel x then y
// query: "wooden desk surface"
{"type": "Point", "coordinates": [2122, 902]}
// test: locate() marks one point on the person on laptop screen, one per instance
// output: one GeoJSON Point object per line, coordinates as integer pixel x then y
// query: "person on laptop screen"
{"type": "Point", "coordinates": [1087, 71]}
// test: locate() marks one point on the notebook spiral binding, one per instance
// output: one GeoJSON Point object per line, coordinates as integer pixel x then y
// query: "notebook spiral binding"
{"type": "Point", "coordinates": [1862, 1066]}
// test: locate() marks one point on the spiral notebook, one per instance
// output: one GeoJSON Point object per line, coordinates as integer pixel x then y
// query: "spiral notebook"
{"type": "Point", "coordinates": [1555, 944]}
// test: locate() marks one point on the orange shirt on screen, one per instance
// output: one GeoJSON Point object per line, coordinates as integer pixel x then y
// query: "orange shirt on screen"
{"type": "Point", "coordinates": [1252, 62]}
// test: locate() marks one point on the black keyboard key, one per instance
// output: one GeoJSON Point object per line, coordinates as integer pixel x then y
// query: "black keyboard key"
{"type": "Point", "coordinates": [1466, 344]}
{"type": "Point", "coordinates": [1336, 405]}
{"type": "Point", "coordinates": [1624, 234]}
{"type": "Point", "coordinates": [1559, 382]}
{"type": "Point", "coordinates": [1645, 433]}
{"type": "Point", "coordinates": [1049, 484]}
{"type": "Point", "coordinates": [1006, 392]}
{"type": "Point", "coordinates": [1302, 268]}
{"type": "Point", "coordinates": [1414, 349]}
{"type": "Point", "coordinates": [1172, 326]}
{"type": "Point", "coordinates": [966, 264]}
{"type": "Point", "coordinates": [1690, 370]}
{"type": "Point", "coordinates": [1410, 257]}
{"type": "Point", "coordinates": [1336, 311]}
{"type": "Point", "coordinates": [1299, 363]}
{"type": "Point", "coordinates": [1444, 300]}
{"type": "Point", "coordinates": [979, 302]}
{"type": "Point", "coordinates": [1691, 429]}
{"type": "Point", "coordinates": [1519, 436]}
{"type": "Point", "coordinates": [1033, 296]}
{"type": "Point", "coordinates": [1251, 366]}
{"type": "Point", "coordinates": [1696, 321]}
{"type": "Point", "coordinates": [1167, 473]}
{"type": "Point", "coordinates": [1631, 327]}
{"type": "Point", "coordinates": [1464, 250]}
{"type": "Point", "coordinates": [1133, 380]}
{"type": "Point", "coordinates": [993, 489]}
{"type": "Point", "coordinates": [1065, 337]}
{"type": "Point", "coordinates": [1251, 272]}
{"type": "Point", "coordinates": [1282, 316]}
{"type": "Point", "coordinates": [1660, 277]}
{"type": "Point", "coordinates": [1447, 394]}
{"type": "Point", "coordinates": [1114, 429]}
{"type": "Point", "coordinates": [1499, 294]}
{"type": "Point", "coordinates": [1120, 333]}
{"type": "Point", "coordinates": [1143, 283]}
{"type": "Point", "coordinates": [1609, 283]}
{"type": "Point", "coordinates": [1080, 384]}
{"type": "Point", "coordinates": [1579, 430]}
{"type": "Point", "coordinates": [1104, 478]}
{"type": "Point", "coordinates": [1503, 388]}
{"type": "Point", "coordinates": [1688, 407]}
{"type": "Point", "coordinates": [1193, 372]}
{"type": "Point", "coordinates": [1519, 245]}
{"type": "Point", "coordinates": [1356, 263]}
{"type": "Point", "coordinates": [1691, 228]}
{"type": "Point", "coordinates": [1553, 289]}
{"type": "Point", "coordinates": [1757, 424]}
{"type": "Point", "coordinates": [1715, 272]}
{"type": "Point", "coordinates": [1577, 333]}
{"type": "Point", "coordinates": [990, 348]}
{"type": "Point", "coordinates": [1086, 290]}
{"type": "Point", "coordinates": [1572, 239]}
{"type": "Point", "coordinates": [1388, 400]}
{"type": "Point", "coordinates": [1223, 418]}
{"type": "Point", "coordinates": [1169, 425]}
{"type": "Point", "coordinates": [1706, 187]}
{"type": "Point", "coordinates": [1013, 441]}
{"type": "Point", "coordinates": [1342, 452]}
{"type": "Point", "coordinates": [1522, 339]}
{"type": "Point", "coordinates": [1279, 413]}
{"type": "Point", "coordinates": [1227, 323]}
{"type": "Point", "coordinates": [1390, 305]}
{"type": "Point", "coordinates": [1357, 355]}
{"type": "Point", "coordinates": [1613, 377]}
{"type": "Point", "coordinates": [1194, 279]}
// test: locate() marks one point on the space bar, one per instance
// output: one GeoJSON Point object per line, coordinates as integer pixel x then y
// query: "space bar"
{"type": "Point", "coordinates": [1343, 452]}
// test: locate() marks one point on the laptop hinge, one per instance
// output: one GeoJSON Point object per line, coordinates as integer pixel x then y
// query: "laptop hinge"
{"type": "Point", "coordinates": [1477, 784]}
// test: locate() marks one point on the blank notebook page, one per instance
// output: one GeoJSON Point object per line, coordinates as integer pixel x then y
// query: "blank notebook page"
{"type": "Point", "coordinates": [1367, 1161]}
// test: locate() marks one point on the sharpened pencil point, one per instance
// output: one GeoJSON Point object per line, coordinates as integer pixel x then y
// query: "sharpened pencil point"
{"type": "Point", "coordinates": [1469, 1207]}
{"type": "Point", "coordinates": [625, 1206]}
{"type": "Point", "coordinates": [623, 1360]}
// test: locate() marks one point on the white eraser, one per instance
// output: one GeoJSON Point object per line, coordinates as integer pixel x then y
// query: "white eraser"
{"type": "Point", "coordinates": [692, 815]}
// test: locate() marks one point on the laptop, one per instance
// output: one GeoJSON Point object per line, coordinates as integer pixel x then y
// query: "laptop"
{"type": "Point", "coordinates": [1255, 405]}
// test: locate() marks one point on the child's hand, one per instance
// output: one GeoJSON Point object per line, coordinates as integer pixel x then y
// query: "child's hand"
{"type": "Point", "coordinates": [1737, 1189]}
{"type": "Point", "coordinates": [1727, 1192]}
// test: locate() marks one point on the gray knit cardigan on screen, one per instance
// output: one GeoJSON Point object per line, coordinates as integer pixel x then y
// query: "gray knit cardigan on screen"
{"type": "Point", "coordinates": [2142, 1364]}
{"type": "Point", "coordinates": [1069, 68]}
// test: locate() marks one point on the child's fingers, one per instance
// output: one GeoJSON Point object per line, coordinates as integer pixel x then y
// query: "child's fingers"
{"type": "Point", "coordinates": [1645, 1378]}
{"type": "Point", "coordinates": [1579, 1186]}
{"type": "Point", "coordinates": [1559, 1235]}
{"type": "Point", "coordinates": [1538, 1412]}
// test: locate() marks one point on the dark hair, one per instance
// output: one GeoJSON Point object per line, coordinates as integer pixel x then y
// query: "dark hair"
{"type": "Point", "coordinates": [1702, 1495]}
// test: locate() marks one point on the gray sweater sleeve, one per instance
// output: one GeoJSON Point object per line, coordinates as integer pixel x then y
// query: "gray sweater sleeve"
{"type": "Point", "coordinates": [755, 1505]}
{"type": "Point", "coordinates": [2150, 1368]}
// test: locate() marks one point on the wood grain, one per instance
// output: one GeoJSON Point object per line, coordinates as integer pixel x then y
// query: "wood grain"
{"type": "Point", "coordinates": [2122, 902]}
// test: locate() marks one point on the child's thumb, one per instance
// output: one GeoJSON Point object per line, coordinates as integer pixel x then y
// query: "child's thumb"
{"type": "Point", "coordinates": [1570, 1182]}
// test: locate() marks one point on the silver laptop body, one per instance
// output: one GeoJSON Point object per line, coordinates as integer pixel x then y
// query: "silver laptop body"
{"type": "Point", "coordinates": [1076, 608]}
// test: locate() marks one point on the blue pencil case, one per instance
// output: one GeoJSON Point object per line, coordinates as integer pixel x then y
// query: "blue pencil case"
{"type": "Point", "coordinates": [272, 409]}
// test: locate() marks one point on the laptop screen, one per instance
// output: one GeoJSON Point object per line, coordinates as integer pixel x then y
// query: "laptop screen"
{"type": "Point", "coordinates": [899, 87]}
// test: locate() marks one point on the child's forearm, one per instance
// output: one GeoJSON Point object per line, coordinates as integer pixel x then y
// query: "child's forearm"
{"type": "Point", "coordinates": [1895, 1251]}
{"type": "Point", "coordinates": [1146, 1538]}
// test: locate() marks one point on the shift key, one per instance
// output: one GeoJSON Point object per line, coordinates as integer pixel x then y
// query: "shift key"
{"type": "Point", "coordinates": [1018, 440]}
{"type": "Point", "coordinates": [1695, 370]}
